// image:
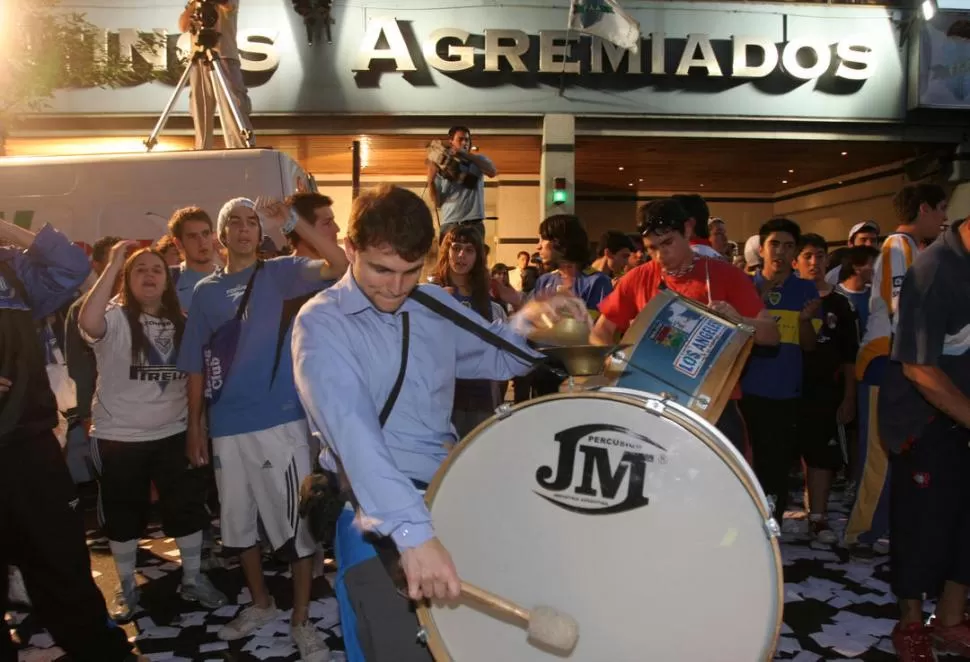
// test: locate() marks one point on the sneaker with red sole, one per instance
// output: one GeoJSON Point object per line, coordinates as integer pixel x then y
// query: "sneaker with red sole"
{"type": "Point", "coordinates": [913, 643]}
{"type": "Point", "coordinates": [954, 639]}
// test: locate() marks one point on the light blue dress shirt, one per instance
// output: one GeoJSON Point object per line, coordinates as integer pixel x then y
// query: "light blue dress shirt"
{"type": "Point", "coordinates": [346, 357]}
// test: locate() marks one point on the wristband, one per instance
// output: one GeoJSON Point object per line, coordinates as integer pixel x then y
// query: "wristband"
{"type": "Point", "coordinates": [290, 223]}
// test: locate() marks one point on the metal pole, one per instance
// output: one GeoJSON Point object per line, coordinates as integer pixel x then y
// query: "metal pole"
{"type": "Point", "coordinates": [355, 176]}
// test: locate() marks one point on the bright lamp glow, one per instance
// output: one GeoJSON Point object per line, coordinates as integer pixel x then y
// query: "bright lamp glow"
{"type": "Point", "coordinates": [929, 9]}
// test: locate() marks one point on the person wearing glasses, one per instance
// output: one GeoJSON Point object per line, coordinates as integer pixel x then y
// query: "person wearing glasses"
{"type": "Point", "coordinates": [676, 267]}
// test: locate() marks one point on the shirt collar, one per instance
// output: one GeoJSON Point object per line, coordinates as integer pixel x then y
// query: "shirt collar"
{"type": "Point", "coordinates": [350, 298]}
{"type": "Point", "coordinates": [699, 241]}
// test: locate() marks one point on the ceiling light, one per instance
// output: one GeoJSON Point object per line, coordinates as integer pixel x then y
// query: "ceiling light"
{"type": "Point", "coordinates": [845, 153]}
{"type": "Point", "coordinates": [641, 179]}
{"type": "Point", "coordinates": [630, 184]}
{"type": "Point", "coordinates": [784, 181]}
{"type": "Point", "coordinates": [929, 9]}
{"type": "Point", "coordinates": [620, 168]}
{"type": "Point", "coordinates": [790, 171]}
{"type": "Point", "coordinates": [702, 186]}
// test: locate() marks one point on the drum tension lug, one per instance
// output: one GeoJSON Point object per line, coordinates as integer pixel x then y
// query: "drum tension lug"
{"type": "Point", "coordinates": [656, 406]}
{"type": "Point", "coordinates": [503, 410]}
{"type": "Point", "coordinates": [422, 636]}
{"type": "Point", "coordinates": [772, 528]}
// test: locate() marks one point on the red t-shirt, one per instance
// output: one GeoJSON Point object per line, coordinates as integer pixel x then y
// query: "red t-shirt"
{"type": "Point", "coordinates": [637, 288]}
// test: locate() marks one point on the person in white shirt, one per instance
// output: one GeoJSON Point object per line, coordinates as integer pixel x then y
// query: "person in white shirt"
{"type": "Point", "coordinates": [139, 421]}
{"type": "Point", "coordinates": [515, 275]}
{"type": "Point", "coordinates": [861, 234]}
{"type": "Point", "coordinates": [202, 101]}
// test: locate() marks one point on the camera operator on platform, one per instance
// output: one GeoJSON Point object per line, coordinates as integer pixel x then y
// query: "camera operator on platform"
{"type": "Point", "coordinates": [458, 188]}
{"type": "Point", "coordinates": [202, 100]}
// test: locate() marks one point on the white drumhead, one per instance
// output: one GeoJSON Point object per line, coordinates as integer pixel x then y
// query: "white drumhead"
{"type": "Point", "coordinates": [690, 575]}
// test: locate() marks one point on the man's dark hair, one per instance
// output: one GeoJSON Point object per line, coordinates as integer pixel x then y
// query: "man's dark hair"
{"type": "Point", "coordinates": [394, 216]}
{"type": "Point", "coordinates": [907, 202]}
{"type": "Point", "coordinates": [697, 209]}
{"type": "Point", "coordinates": [521, 253]}
{"type": "Point", "coordinates": [813, 240]}
{"type": "Point", "coordinates": [568, 236]}
{"type": "Point", "coordinates": [165, 243]}
{"type": "Point", "coordinates": [101, 248]}
{"type": "Point", "coordinates": [855, 257]}
{"type": "Point", "coordinates": [614, 241]}
{"type": "Point", "coordinates": [455, 129]}
{"type": "Point", "coordinates": [305, 205]}
{"type": "Point", "coordinates": [780, 225]}
{"type": "Point", "coordinates": [662, 216]}
{"type": "Point", "coordinates": [185, 214]}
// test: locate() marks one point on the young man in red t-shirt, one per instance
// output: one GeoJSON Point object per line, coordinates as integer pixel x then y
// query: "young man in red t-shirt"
{"type": "Point", "coordinates": [676, 267]}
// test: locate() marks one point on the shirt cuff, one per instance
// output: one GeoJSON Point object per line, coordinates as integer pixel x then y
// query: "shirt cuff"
{"type": "Point", "coordinates": [409, 536]}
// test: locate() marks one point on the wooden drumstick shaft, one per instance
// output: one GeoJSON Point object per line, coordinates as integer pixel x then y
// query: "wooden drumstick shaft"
{"type": "Point", "coordinates": [496, 602]}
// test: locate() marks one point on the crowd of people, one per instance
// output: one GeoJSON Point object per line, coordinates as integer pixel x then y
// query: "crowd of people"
{"type": "Point", "coordinates": [214, 374]}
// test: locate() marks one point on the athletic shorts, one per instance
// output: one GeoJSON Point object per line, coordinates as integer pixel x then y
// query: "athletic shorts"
{"type": "Point", "coordinates": [929, 512]}
{"type": "Point", "coordinates": [126, 471]}
{"type": "Point", "coordinates": [818, 435]}
{"type": "Point", "coordinates": [259, 476]}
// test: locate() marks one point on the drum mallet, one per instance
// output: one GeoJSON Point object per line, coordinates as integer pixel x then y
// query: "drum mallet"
{"type": "Point", "coordinates": [547, 626]}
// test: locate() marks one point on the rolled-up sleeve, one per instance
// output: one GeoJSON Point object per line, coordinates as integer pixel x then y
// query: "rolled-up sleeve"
{"type": "Point", "coordinates": [51, 269]}
{"type": "Point", "coordinates": [333, 390]}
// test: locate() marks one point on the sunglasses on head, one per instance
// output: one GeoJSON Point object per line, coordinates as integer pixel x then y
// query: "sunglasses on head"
{"type": "Point", "coordinates": [658, 225]}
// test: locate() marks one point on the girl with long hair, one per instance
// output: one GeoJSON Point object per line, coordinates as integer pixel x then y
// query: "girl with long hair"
{"type": "Point", "coordinates": [139, 414]}
{"type": "Point", "coordinates": [462, 271]}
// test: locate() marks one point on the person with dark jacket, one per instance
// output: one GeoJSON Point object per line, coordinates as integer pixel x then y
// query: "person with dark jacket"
{"type": "Point", "coordinates": [41, 527]}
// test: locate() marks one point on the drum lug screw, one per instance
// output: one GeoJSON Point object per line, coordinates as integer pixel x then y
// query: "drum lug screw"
{"type": "Point", "coordinates": [422, 636]}
{"type": "Point", "coordinates": [703, 402]}
{"type": "Point", "coordinates": [772, 528]}
{"type": "Point", "coordinates": [655, 406]}
{"type": "Point", "coordinates": [503, 410]}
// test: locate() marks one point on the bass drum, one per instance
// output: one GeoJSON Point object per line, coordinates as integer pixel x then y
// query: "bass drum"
{"type": "Point", "coordinates": [627, 512]}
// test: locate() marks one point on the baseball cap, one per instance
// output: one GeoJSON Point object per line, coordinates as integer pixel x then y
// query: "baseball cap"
{"type": "Point", "coordinates": [752, 251]}
{"type": "Point", "coordinates": [860, 227]}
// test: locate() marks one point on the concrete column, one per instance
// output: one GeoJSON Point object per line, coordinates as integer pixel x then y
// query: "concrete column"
{"type": "Point", "coordinates": [558, 160]}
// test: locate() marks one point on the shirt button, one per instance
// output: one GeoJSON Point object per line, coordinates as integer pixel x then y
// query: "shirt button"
{"type": "Point", "coordinates": [404, 533]}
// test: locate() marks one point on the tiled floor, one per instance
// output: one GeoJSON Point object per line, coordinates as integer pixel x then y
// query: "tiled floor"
{"type": "Point", "coordinates": [836, 608]}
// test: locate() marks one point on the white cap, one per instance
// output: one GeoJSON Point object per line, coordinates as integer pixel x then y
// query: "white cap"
{"type": "Point", "coordinates": [859, 227]}
{"type": "Point", "coordinates": [223, 217]}
{"type": "Point", "coordinates": [752, 251]}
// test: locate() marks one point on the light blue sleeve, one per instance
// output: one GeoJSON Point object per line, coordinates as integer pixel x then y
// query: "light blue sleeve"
{"type": "Point", "coordinates": [477, 359]}
{"type": "Point", "coordinates": [51, 270]}
{"type": "Point", "coordinates": [599, 288]}
{"type": "Point", "coordinates": [296, 276]}
{"type": "Point", "coordinates": [197, 333]}
{"type": "Point", "coordinates": [332, 388]}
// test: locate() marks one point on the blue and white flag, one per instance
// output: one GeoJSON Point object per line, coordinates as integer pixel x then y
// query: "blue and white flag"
{"type": "Point", "coordinates": [607, 20]}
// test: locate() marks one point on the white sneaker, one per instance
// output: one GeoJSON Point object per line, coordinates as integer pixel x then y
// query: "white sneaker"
{"type": "Point", "coordinates": [309, 642]}
{"type": "Point", "coordinates": [881, 546]}
{"type": "Point", "coordinates": [249, 620]}
{"type": "Point", "coordinates": [16, 591]}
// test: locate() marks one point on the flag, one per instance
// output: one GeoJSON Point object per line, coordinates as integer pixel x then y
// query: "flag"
{"type": "Point", "coordinates": [607, 20]}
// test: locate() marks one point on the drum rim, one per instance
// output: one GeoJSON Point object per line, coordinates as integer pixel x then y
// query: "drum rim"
{"type": "Point", "coordinates": [702, 428]}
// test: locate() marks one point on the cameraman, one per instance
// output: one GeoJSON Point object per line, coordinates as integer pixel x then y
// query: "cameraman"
{"type": "Point", "coordinates": [460, 193]}
{"type": "Point", "coordinates": [202, 100]}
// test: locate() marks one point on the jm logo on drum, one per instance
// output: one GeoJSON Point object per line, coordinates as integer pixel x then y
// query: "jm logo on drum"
{"type": "Point", "coordinates": [593, 447]}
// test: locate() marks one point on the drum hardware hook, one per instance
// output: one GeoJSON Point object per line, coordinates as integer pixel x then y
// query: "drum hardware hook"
{"type": "Point", "coordinates": [422, 636]}
{"type": "Point", "coordinates": [503, 410]}
{"type": "Point", "coordinates": [772, 528]}
{"type": "Point", "coordinates": [703, 402]}
{"type": "Point", "coordinates": [656, 406]}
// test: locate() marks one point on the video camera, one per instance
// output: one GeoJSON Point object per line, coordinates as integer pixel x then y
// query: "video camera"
{"type": "Point", "coordinates": [206, 15]}
{"type": "Point", "coordinates": [449, 163]}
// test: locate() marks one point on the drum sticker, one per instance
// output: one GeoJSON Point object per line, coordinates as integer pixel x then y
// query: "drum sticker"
{"type": "Point", "coordinates": [692, 358]}
{"type": "Point", "coordinates": [600, 469]}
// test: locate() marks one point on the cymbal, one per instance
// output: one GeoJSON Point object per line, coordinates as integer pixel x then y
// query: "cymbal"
{"type": "Point", "coordinates": [565, 332]}
{"type": "Point", "coordinates": [582, 360]}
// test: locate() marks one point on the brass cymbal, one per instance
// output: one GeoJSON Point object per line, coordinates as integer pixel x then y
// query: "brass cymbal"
{"type": "Point", "coordinates": [582, 360]}
{"type": "Point", "coordinates": [565, 332]}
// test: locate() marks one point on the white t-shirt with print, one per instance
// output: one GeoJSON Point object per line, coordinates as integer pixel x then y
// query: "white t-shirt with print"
{"type": "Point", "coordinates": [141, 401]}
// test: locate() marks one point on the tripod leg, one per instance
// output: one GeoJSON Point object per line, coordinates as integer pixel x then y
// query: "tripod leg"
{"type": "Point", "coordinates": [244, 134]}
{"type": "Point", "coordinates": [160, 125]}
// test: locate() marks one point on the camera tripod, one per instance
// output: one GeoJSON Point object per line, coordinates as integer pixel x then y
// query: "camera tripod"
{"type": "Point", "coordinates": [211, 63]}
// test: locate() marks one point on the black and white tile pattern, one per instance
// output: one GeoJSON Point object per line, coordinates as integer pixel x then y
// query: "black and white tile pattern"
{"type": "Point", "coordinates": [836, 608]}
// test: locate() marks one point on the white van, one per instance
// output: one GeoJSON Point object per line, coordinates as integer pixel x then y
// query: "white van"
{"type": "Point", "coordinates": [133, 195]}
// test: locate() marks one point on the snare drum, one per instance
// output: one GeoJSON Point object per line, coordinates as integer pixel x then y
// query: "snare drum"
{"type": "Point", "coordinates": [627, 512]}
{"type": "Point", "coordinates": [684, 351]}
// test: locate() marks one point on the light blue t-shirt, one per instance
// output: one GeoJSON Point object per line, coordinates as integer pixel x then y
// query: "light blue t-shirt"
{"type": "Point", "coordinates": [459, 202]}
{"type": "Point", "coordinates": [186, 280]}
{"type": "Point", "coordinates": [259, 392]}
{"type": "Point", "coordinates": [590, 285]}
